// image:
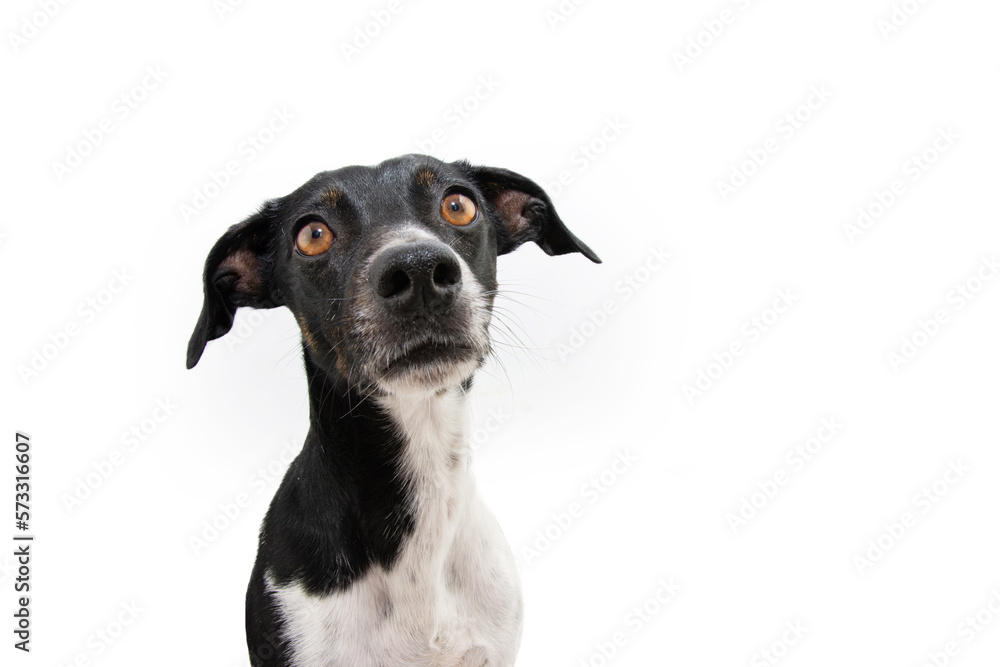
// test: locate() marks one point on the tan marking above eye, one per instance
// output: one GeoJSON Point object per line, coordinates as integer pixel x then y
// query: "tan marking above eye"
{"type": "Point", "coordinates": [458, 209]}
{"type": "Point", "coordinates": [314, 239]}
{"type": "Point", "coordinates": [332, 197]}
{"type": "Point", "coordinates": [425, 177]}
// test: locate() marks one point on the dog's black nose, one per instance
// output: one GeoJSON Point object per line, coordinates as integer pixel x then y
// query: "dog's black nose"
{"type": "Point", "coordinates": [413, 277]}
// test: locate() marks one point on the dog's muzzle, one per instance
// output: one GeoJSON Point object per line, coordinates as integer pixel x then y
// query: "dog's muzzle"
{"type": "Point", "coordinates": [424, 321]}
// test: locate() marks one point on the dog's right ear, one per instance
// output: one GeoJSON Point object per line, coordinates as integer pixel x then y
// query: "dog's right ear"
{"type": "Point", "coordinates": [237, 273]}
{"type": "Point", "coordinates": [525, 213]}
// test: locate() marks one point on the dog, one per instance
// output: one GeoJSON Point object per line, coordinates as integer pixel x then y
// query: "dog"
{"type": "Point", "coordinates": [376, 550]}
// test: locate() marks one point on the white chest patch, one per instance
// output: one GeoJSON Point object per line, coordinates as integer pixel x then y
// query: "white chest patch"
{"type": "Point", "coordinates": [451, 598]}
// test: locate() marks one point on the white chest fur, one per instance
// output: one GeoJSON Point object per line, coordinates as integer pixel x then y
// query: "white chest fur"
{"type": "Point", "coordinates": [452, 597]}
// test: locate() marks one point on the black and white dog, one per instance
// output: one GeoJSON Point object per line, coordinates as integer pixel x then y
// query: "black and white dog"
{"type": "Point", "coordinates": [376, 550]}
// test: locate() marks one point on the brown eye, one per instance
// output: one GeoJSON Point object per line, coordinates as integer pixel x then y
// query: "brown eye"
{"type": "Point", "coordinates": [314, 239]}
{"type": "Point", "coordinates": [458, 209]}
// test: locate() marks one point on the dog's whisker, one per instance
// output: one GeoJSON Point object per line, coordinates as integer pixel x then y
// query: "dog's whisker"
{"type": "Point", "coordinates": [503, 314]}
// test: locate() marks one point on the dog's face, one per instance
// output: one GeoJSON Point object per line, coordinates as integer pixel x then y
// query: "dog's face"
{"type": "Point", "coordinates": [389, 270]}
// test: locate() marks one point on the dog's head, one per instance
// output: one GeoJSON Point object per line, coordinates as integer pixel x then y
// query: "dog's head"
{"type": "Point", "coordinates": [390, 270]}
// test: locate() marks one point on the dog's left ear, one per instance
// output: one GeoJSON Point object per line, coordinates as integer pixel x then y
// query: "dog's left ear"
{"type": "Point", "coordinates": [526, 214]}
{"type": "Point", "coordinates": [237, 273]}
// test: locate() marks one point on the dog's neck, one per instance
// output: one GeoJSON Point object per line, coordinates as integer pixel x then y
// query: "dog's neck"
{"type": "Point", "coordinates": [431, 425]}
{"type": "Point", "coordinates": [390, 468]}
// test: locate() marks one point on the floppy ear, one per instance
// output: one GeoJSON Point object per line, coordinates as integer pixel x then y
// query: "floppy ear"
{"type": "Point", "coordinates": [237, 273]}
{"type": "Point", "coordinates": [526, 214]}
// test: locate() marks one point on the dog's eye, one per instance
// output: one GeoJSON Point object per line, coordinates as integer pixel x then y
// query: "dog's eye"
{"type": "Point", "coordinates": [458, 209]}
{"type": "Point", "coordinates": [314, 239]}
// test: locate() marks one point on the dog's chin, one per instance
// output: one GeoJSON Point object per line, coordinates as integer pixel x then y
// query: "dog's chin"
{"type": "Point", "coordinates": [429, 368]}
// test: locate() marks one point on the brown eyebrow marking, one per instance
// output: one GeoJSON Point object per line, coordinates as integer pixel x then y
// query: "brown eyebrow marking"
{"type": "Point", "coordinates": [425, 176]}
{"type": "Point", "coordinates": [331, 197]}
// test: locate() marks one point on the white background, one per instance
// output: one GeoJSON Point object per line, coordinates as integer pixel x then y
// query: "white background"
{"type": "Point", "coordinates": [662, 135]}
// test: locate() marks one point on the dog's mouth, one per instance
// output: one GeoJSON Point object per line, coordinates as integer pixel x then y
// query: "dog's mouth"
{"type": "Point", "coordinates": [429, 352]}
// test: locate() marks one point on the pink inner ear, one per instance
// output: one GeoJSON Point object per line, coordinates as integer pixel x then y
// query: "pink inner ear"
{"type": "Point", "coordinates": [245, 264]}
{"type": "Point", "coordinates": [510, 205]}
